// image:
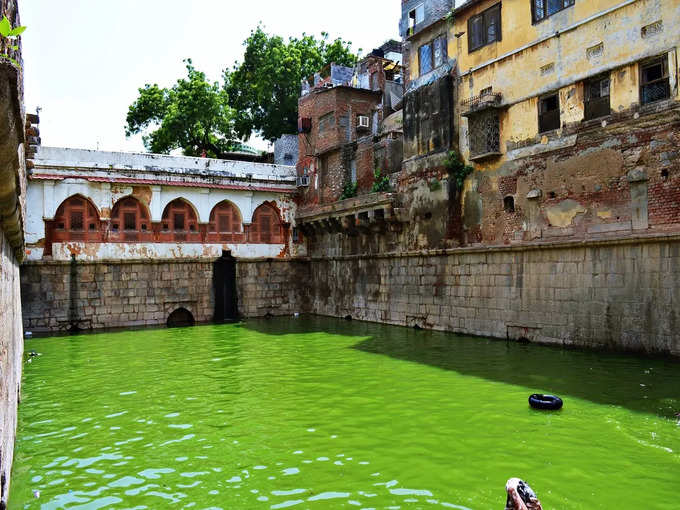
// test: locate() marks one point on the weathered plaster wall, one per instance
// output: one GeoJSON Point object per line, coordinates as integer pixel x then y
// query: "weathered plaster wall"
{"type": "Point", "coordinates": [12, 213]}
{"type": "Point", "coordinates": [618, 295]}
{"type": "Point", "coordinates": [11, 352]}
{"type": "Point", "coordinates": [129, 293]}
{"type": "Point", "coordinates": [134, 251]}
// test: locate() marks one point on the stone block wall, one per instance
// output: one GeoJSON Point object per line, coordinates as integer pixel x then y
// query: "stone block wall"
{"type": "Point", "coordinates": [273, 286]}
{"type": "Point", "coordinates": [11, 354]}
{"type": "Point", "coordinates": [110, 294]}
{"type": "Point", "coordinates": [614, 295]}
{"type": "Point", "coordinates": [57, 295]}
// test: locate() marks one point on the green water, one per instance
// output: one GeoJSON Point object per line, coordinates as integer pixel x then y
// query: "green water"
{"type": "Point", "coordinates": [319, 413]}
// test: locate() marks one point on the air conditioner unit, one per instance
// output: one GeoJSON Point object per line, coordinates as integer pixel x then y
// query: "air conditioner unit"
{"type": "Point", "coordinates": [363, 122]}
{"type": "Point", "coordinates": [303, 181]}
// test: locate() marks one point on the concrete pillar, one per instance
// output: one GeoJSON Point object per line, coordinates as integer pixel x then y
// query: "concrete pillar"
{"type": "Point", "coordinates": [155, 205]}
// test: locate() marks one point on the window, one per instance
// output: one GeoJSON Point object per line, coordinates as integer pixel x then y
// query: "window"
{"type": "Point", "coordinates": [484, 28]}
{"type": "Point", "coordinates": [654, 82]}
{"type": "Point", "coordinates": [353, 170]}
{"type": "Point", "coordinates": [415, 18]}
{"type": "Point", "coordinates": [548, 113]}
{"type": "Point", "coordinates": [77, 220]}
{"type": "Point", "coordinates": [484, 133]}
{"type": "Point", "coordinates": [544, 8]}
{"type": "Point", "coordinates": [597, 98]}
{"type": "Point", "coordinates": [326, 122]}
{"type": "Point", "coordinates": [509, 204]}
{"type": "Point", "coordinates": [425, 59]}
{"type": "Point", "coordinates": [433, 54]}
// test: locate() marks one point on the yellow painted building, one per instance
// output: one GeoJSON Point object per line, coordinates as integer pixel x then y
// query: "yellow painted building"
{"type": "Point", "coordinates": [536, 67]}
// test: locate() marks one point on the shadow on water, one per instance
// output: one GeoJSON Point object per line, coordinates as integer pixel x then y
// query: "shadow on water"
{"type": "Point", "coordinates": [638, 383]}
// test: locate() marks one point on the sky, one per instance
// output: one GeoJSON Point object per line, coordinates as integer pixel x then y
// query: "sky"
{"type": "Point", "coordinates": [85, 59]}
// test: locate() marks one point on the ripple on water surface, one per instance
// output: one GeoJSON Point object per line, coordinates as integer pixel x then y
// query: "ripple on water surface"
{"type": "Point", "coordinates": [319, 413]}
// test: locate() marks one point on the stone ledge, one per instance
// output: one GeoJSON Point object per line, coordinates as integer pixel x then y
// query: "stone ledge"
{"type": "Point", "coordinates": [526, 247]}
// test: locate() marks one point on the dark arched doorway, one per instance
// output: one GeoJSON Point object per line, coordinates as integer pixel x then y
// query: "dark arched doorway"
{"type": "Point", "coordinates": [224, 286]}
{"type": "Point", "coordinates": [180, 318]}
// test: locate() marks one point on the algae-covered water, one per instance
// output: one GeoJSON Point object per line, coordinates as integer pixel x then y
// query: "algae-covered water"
{"type": "Point", "coordinates": [321, 413]}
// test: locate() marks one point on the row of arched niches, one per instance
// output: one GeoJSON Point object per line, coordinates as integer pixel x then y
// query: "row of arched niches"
{"type": "Point", "coordinates": [78, 220]}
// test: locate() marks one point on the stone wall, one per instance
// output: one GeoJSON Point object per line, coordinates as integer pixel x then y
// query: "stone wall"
{"type": "Point", "coordinates": [12, 213]}
{"type": "Point", "coordinates": [11, 352]}
{"type": "Point", "coordinates": [617, 295]}
{"type": "Point", "coordinates": [107, 294]}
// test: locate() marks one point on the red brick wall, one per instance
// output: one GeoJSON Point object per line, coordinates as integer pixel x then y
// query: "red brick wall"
{"type": "Point", "coordinates": [326, 155]}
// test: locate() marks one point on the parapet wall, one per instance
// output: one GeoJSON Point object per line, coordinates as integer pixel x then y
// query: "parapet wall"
{"type": "Point", "coordinates": [618, 295]}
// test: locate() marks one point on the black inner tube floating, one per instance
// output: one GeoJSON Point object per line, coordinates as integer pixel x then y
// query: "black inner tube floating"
{"type": "Point", "coordinates": [545, 402]}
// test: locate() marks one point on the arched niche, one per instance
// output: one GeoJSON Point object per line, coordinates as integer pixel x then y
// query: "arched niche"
{"type": "Point", "coordinates": [226, 224]}
{"type": "Point", "coordinates": [76, 220]}
{"type": "Point", "coordinates": [130, 221]}
{"type": "Point", "coordinates": [179, 222]}
{"type": "Point", "coordinates": [266, 227]}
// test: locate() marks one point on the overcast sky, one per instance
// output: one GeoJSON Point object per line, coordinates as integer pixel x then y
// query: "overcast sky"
{"type": "Point", "coordinates": [85, 59]}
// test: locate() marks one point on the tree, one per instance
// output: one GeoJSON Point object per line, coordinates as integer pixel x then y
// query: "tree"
{"type": "Point", "coordinates": [193, 115]}
{"type": "Point", "coordinates": [264, 89]}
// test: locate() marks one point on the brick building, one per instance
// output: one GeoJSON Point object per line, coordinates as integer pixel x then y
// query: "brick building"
{"type": "Point", "coordinates": [350, 130]}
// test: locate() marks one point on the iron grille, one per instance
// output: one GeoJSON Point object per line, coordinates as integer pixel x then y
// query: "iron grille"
{"type": "Point", "coordinates": [484, 133]}
{"type": "Point", "coordinates": [597, 107]}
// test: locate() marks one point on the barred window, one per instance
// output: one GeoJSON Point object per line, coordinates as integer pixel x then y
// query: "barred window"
{"type": "Point", "coordinates": [597, 98]}
{"type": "Point", "coordinates": [484, 28]}
{"type": "Point", "coordinates": [544, 8]}
{"type": "Point", "coordinates": [433, 54]}
{"type": "Point", "coordinates": [654, 80]}
{"type": "Point", "coordinates": [484, 133]}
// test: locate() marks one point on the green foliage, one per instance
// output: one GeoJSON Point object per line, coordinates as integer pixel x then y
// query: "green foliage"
{"type": "Point", "coordinates": [193, 115]}
{"type": "Point", "coordinates": [458, 170]}
{"type": "Point", "coordinates": [349, 191]}
{"type": "Point", "coordinates": [7, 32]}
{"type": "Point", "coordinates": [264, 88]}
{"type": "Point", "coordinates": [381, 182]}
{"type": "Point", "coordinates": [435, 185]}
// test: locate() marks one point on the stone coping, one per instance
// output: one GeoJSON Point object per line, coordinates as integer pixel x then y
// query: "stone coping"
{"type": "Point", "coordinates": [525, 247]}
{"type": "Point", "coordinates": [197, 260]}
{"type": "Point", "coordinates": [552, 245]}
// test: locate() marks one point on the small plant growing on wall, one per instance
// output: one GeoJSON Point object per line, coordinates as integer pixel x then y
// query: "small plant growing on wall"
{"type": "Point", "coordinates": [381, 183]}
{"type": "Point", "coordinates": [349, 191]}
{"type": "Point", "coordinates": [8, 36]}
{"type": "Point", "coordinates": [458, 170]}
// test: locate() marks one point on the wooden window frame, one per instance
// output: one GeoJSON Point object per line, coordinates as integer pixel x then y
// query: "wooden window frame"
{"type": "Point", "coordinates": [541, 114]}
{"type": "Point", "coordinates": [544, 4]}
{"type": "Point", "coordinates": [485, 17]}
{"type": "Point", "coordinates": [592, 106]}
{"type": "Point", "coordinates": [663, 60]}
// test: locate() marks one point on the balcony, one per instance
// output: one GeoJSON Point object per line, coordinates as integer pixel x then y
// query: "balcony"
{"type": "Point", "coordinates": [367, 214]}
{"type": "Point", "coordinates": [482, 102]}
